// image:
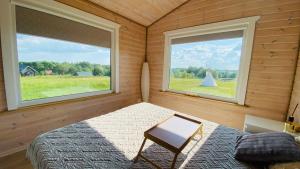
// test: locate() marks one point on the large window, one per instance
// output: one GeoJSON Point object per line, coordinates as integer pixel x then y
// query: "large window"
{"type": "Point", "coordinates": [211, 61]}
{"type": "Point", "coordinates": [56, 55]}
{"type": "Point", "coordinates": [51, 67]}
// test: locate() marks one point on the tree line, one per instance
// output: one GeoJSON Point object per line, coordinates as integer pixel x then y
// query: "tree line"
{"type": "Point", "coordinates": [200, 72]}
{"type": "Point", "coordinates": [67, 68]}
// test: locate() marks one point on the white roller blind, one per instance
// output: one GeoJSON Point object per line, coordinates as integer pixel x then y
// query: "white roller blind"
{"type": "Point", "coordinates": [29, 21]}
{"type": "Point", "coordinates": [208, 37]}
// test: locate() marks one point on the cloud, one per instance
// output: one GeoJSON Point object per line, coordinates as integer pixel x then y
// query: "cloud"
{"type": "Point", "coordinates": [219, 54]}
{"type": "Point", "coordinates": [34, 48]}
{"type": "Point", "coordinates": [22, 39]}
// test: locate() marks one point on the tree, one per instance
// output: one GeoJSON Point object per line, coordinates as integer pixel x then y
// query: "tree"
{"type": "Point", "coordinates": [59, 69]}
{"type": "Point", "coordinates": [72, 70]}
{"type": "Point", "coordinates": [193, 70]}
{"type": "Point", "coordinates": [67, 68]}
{"type": "Point", "coordinates": [97, 71]}
{"type": "Point", "coordinates": [106, 70]}
{"type": "Point", "coordinates": [201, 73]}
{"type": "Point", "coordinates": [39, 67]}
{"type": "Point", "coordinates": [85, 66]}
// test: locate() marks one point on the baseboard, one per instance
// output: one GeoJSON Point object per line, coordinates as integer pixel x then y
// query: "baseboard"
{"type": "Point", "coordinates": [12, 151]}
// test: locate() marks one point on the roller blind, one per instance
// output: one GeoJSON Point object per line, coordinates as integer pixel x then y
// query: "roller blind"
{"type": "Point", "coordinates": [29, 21]}
{"type": "Point", "coordinates": [208, 37]}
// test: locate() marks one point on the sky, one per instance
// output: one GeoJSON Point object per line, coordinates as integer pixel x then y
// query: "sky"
{"type": "Point", "coordinates": [35, 48]}
{"type": "Point", "coordinates": [215, 54]}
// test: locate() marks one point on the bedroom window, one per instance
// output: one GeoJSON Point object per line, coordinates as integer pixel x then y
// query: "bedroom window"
{"type": "Point", "coordinates": [56, 53]}
{"type": "Point", "coordinates": [210, 61]}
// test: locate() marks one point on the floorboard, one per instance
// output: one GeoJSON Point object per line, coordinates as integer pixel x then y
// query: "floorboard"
{"type": "Point", "coordinates": [15, 161]}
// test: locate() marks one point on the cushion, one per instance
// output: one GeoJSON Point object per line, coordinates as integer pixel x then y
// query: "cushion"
{"type": "Point", "coordinates": [267, 147]}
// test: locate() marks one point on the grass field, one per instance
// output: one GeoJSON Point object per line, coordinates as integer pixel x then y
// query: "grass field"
{"type": "Point", "coordinates": [49, 86]}
{"type": "Point", "coordinates": [224, 88]}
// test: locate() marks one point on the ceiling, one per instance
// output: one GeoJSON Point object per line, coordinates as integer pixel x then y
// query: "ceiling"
{"type": "Point", "coordinates": [144, 12]}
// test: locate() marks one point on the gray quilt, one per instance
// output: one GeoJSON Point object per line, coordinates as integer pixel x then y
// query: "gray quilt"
{"type": "Point", "coordinates": [113, 140]}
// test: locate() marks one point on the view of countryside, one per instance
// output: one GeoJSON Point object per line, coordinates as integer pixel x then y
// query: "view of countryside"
{"type": "Point", "coordinates": [206, 67]}
{"type": "Point", "coordinates": [51, 67]}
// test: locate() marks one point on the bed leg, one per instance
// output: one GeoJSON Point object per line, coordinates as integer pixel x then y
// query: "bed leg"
{"type": "Point", "coordinates": [140, 151]}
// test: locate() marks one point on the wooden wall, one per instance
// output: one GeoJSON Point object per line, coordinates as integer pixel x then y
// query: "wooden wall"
{"type": "Point", "coordinates": [273, 61]}
{"type": "Point", "coordinates": [295, 98]}
{"type": "Point", "coordinates": [18, 128]}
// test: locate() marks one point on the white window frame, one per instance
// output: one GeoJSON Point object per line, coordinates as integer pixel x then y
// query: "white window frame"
{"type": "Point", "coordinates": [247, 25]}
{"type": "Point", "coordinates": [9, 47]}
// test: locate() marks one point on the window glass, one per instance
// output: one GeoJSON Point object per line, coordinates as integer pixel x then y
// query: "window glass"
{"type": "Point", "coordinates": [206, 64]}
{"type": "Point", "coordinates": [59, 57]}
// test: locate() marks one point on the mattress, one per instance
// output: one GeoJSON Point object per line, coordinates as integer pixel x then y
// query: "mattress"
{"type": "Point", "coordinates": [113, 140]}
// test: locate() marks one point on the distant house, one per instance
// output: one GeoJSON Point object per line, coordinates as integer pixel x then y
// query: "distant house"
{"type": "Point", "coordinates": [84, 74]}
{"type": "Point", "coordinates": [48, 72]}
{"type": "Point", "coordinates": [28, 71]}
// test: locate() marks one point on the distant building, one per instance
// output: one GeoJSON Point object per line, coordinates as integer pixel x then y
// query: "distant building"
{"type": "Point", "coordinates": [28, 71]}
{"type": "Point", "coordinates": [48, 72]}
{"type": "Point", "coordinates": [84, 74]}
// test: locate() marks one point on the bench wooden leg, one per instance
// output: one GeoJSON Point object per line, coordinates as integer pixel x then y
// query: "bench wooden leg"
{"type": "Point", "coordinates": [174, 161]}
{"type": "Point", "coordinates": [140, 151]}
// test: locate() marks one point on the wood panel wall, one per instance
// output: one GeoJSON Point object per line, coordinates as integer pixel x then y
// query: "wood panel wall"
{"type": "Point", "coordinates": [295, 98]}
{"type": "Point", "coordinates": [273, 61]}
{"type": "Point", "coordinates": [18, 128]}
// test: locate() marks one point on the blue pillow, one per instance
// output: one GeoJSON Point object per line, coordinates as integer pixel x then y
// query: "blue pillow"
{"type": "Point", "coordinates": [267, 147]}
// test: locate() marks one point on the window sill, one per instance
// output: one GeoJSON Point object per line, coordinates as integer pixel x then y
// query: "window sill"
{"type": "Point", "coordinates": [196, 96]}
{"type": "Point", "coordinates": [67, 101]}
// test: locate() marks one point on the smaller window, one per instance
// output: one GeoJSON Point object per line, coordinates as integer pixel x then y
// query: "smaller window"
{"type": "Point", "coordinates": [211, 61]}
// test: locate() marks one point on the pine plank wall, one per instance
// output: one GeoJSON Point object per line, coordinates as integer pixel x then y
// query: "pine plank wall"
{"type": "Point", "coordinates": [270, 81]}
{"type": "Point", "coordinates": [273, 61]}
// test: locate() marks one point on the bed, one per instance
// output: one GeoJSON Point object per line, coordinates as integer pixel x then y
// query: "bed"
{"type": "Point", "coordinates": [113, 140]}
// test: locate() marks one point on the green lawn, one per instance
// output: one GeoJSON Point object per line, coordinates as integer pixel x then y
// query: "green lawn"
{"type": "Point", "coordinates": [49, 86]}
{"type": "Point", "coordinates": [224, 88]}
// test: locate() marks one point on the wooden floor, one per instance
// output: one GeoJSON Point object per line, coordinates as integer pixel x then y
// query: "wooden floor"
{"type": "Point", "coordinates": [15, 161]}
